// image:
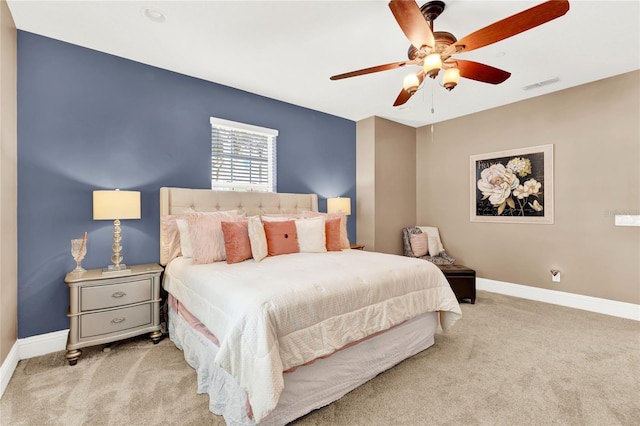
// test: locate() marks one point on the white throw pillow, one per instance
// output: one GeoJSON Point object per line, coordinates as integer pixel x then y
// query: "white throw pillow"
{"type": "Point", "coordinates": [311, 235]}
{"type": "Point", "coordinates": [257, 238]}
{"type": "Point", "coordinates": [185, 238]}
{"type": "Point", "coordinates": [435, 244]}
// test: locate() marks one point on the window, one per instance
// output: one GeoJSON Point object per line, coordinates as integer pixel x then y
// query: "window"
{"type": "Point", "coordinates": [243, 157]}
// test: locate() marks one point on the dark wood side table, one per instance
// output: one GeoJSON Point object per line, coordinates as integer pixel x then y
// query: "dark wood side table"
{"type": "Point", "coordinates": [462, 281]}
{"type": "Point", "coordinates": [356, 246]}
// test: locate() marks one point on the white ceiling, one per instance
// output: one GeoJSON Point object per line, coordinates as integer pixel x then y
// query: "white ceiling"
{"type": "Point", "coordinates": [287, 50]}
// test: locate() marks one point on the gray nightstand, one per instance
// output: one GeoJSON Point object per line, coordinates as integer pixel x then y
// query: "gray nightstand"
{"type": "Point", "coordinates": [106, 308]}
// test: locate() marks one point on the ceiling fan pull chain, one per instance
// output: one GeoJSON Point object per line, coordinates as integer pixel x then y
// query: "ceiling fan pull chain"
{"type": "Point", "coordinates": [432, 108]}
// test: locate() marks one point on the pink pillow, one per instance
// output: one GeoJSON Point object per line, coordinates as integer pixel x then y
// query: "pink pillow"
{"type": "Point", "coordinates": [171, 242]}
{"type": "Point", "coordinates": [332, 233]}
{"type": "Point", "coordinates": [281, 237]}
{"type": "Point", "coordinates": [207, 239]}
{"type": "Point", "coordinates": [236, 241]}
{"type": "Point", "coordinates": [419, 244]}
{"type": "Point", "coordinates": [344, 238]}
{"type": "Point", "coordinates": [279, 217]}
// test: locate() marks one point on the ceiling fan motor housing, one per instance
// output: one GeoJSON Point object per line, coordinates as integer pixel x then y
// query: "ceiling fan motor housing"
{"type": "Point", "coordinates": [443, 40]}
{"type": "Point", "coordinates": [431, 10]}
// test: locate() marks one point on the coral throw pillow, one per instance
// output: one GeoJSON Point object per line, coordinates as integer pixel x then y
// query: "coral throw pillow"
{"type": "Point", "coordinates": [419, 244]}
{"type": "Point", "coordinates": [236, 241]}
{"type": "Point", "coordinates": [282, 237]}
{"type": "Point", "coordinates": [332, 233]}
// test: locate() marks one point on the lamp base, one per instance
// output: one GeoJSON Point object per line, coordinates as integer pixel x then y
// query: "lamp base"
{"type": "Point", "coordinates": [120, 269]}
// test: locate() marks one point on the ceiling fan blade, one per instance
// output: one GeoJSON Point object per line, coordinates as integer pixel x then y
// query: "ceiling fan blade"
{"type": "Point", "coordinates": [412, 23]}
{"type": "Point", "coordinates": [370, 70]}
{"type": "Point", "coordinates": [404, 96]}
{"type": "Point", "coordinates": [511, 26]}
{"type": "Point", "coordinates": [481, 72]}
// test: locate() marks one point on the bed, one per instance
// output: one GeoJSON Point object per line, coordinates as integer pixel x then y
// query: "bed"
{"type": "Point", "coordinates": [274, 339]}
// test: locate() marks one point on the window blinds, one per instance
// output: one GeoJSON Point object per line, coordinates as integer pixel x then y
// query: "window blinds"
{"type": "Point", "coordinates": [242, 156]}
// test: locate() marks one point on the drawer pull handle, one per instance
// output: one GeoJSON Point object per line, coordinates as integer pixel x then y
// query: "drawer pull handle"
{"type": "Point", "coordinates": [119, 294]}
{"type": "Point", "coordinates": [117, 320]}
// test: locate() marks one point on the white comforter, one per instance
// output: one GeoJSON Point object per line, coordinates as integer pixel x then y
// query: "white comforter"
{"type": "Point", "coordinates": [288, 310]}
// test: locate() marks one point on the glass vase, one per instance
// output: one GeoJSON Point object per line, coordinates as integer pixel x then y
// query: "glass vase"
{"type": "Point", "coordinates": [78, 251]}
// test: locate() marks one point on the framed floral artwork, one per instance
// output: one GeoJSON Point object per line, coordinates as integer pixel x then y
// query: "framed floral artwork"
{"type": "Point", "coordinates": [514, 186]}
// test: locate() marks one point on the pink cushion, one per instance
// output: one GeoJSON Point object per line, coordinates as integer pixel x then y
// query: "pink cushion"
{"type": "Point", "coordinates": [281, 237]}
{"type": "Point", "coordinates": [332, 233]}
{"type": "Point", "coordinates": [171, 242]}
{"type": "Point", "coordinates": [419, 244]}
{"type": "Point", "coordinates": [207, 239]}
{"type": "Point", "coordinates": [236, 241]}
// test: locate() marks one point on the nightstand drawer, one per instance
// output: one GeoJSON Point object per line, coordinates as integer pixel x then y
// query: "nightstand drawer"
{"type": "Point", "coordinates": [108, 296]}
{"type": "Point", "coordinates": [115, 320]}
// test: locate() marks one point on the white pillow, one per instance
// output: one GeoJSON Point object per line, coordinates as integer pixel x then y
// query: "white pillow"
{"type": "Point", "coordinates": [435, 244]}
{"type": "Point", "coordinates": [344, 238]}
{"type": "Point", "coordinates": [257, 238]}
{"type": "Point", "coordinates": [311, 237]}
{"type": "Point", "coordinates": [185, 238]}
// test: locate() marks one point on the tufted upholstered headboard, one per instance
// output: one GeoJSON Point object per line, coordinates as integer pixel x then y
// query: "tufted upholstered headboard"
{"type": "Point", "coordinates": [177, 201]}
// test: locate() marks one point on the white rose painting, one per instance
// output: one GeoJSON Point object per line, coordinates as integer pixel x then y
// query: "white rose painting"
{"type": "Point", "coordinates": [513, 186]}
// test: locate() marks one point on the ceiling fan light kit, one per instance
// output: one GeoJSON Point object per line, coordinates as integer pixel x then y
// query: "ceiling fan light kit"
{"type": "Point", "coordinates": [432, 65]}
{"type": "Point", "coordinates": [451, 78]}
{"type": "Point", "coordinates": [434, 51]}
{"type": "Point", "coordinates": [411, 83]}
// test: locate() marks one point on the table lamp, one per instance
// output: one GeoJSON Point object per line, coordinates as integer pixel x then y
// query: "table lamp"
{"type": "Point", "coordinates": [339, 204]}
{"type": "Point", "coordinates": [116, 205]}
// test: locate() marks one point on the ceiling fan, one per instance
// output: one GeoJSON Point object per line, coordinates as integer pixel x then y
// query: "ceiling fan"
{"type": "Point", "coordinates": [434, 51]}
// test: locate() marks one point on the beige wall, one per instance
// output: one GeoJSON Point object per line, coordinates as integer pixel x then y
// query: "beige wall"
{"type": "Point", "coordinates": [386, 184]}
{"type": "Point", "coordinates": [366, 183]}
{"type": "Point", "coordinates": [8, 184]}
{"type": "Point", "coordinates": [596, 135]}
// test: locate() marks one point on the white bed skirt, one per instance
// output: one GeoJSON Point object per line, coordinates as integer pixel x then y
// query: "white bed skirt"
{"type": "Point", "coordinates": [311, 386]}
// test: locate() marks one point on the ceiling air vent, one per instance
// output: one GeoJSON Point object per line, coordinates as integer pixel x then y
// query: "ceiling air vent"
{"type": "Point", "coordinates": [541, 84]}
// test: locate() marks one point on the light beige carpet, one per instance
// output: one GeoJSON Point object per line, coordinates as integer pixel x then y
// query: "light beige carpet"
{"type": "Point", "coordinates": [508, 361]}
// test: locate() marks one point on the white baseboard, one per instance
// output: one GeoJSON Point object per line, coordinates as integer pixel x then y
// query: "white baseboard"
{"type": "Point", "coordinates": [30, 347]}
{"type": "Point", "coordinates": [43, 344]}
{"type": "Point", "coordinates": [8, 367]}
{"type": "Point", "coordinates": [571, 300]}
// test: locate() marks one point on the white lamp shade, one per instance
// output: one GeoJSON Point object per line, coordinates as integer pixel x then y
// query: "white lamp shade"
{"type": "Point", "coordinates": [340, 204]}
{"type": "Point", "coordinates": [411, 83]}
{"type": "Point", "coordinates": [112, 205]}
{"type": "Point", "coordinates": [451, 76]}
{"type": "Point", "coordinates": [432, 62]}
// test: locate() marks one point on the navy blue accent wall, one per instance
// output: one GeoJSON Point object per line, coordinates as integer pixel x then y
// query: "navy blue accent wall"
{"type": "Point", "coordinates": [88, 120]}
